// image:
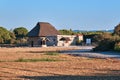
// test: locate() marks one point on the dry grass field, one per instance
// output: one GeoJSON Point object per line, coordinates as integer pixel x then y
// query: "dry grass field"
{"type": "Point", "coordinates": [35, 64]}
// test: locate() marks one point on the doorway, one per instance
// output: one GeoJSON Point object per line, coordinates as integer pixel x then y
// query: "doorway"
{"type": "Point", "coordinates": [32, 43]}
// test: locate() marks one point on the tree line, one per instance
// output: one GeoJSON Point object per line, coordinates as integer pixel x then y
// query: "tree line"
{"type": "Point", "coordinates": [15, 36]}
{"type": "Point", "coordinates": [104, 40]}
{"type": "Point", "coordinates": [71, 32]}
{"type": "Point", "coordinates": [108, 41]}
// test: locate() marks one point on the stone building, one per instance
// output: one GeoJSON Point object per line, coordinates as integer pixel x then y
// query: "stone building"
{"type": "Point", "coordinates": [44, 34]}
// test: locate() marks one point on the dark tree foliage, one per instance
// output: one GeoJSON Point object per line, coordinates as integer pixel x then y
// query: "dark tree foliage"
{"type": "Point", "coordinates": [107, 41]}
{"type": "Point", "coordinates": [117, 30]}
{"type": "Point", "coordinates": [66, 32]}
{"type": "Point", "coordinates": [12, 36]}
{"type": "Point", "coordinates": [105, 45]}
{"type": "Point", "coordinates": [117, 46]}
{"type": "Point", "coordinates": [20, 32]}
{"type": "Point", "coordinates": [4, 35]}
{"type": "Point", "coordinates": [100, 37]}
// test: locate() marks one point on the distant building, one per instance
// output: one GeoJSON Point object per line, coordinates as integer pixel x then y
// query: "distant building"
{"type": "Point", "coordinates": [44, 34]}
{"type": "Point", "coordinates": [88, 39]}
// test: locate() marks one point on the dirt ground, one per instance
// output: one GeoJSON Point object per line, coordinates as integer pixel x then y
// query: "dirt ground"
{"type": "Point", "coordinates": [66, 67]}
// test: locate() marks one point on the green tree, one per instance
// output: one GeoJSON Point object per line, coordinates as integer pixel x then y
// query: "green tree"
{"type": "Point", "coordinates": [117, 30]}
{"type": "Point", "coordinates": [20, 32]}
{"type": "Point", "coordinates": [106, 41]}
{"type": "Point", "coordinates": [100, 37]}
{"type": "Point", "coordinates": [67, 32]}
{"type": "Point", "coordinates": [12, 36]}
{"type": "Point", "coordinates": [4, 35]}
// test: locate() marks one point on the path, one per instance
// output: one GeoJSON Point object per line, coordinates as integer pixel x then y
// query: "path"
{"type": "Point", "coordinates": [85, 51]}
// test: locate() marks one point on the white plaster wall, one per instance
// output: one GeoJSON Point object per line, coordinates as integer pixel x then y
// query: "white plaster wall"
{"type": "Point", "coordinates": [63, 43]}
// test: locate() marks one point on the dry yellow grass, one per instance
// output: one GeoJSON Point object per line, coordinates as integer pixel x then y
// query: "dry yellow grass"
{"type": "Point", "coordinates": [69, 67]}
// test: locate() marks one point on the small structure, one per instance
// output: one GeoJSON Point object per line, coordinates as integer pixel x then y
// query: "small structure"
{"type": "Point", "coordinates": [43, 34]}
{"type": "Point", "coordinates": [88, 39]}
{"type": "Point", "coordinates": [66, 40]}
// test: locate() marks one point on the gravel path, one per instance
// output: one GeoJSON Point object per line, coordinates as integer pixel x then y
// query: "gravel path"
{"type": "Point", "coordinates": [85, 51]}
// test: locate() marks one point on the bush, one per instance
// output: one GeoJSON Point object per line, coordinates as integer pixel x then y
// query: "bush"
{"type": "Point", "coordinates": [78, 42]}
{"type": "Point", "coordinates": [105, 45]}
{"type": "Point", "coordinates": [117, 47]}
{"type": "Point", "coordinates": [106, 42]}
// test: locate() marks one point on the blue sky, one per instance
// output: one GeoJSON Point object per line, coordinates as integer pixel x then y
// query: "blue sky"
{"type": "Point", "coordinates": [63, 14]}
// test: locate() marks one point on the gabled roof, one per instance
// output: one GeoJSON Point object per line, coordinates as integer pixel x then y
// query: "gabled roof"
{"type": "Point", "coordinates": [43, 29]}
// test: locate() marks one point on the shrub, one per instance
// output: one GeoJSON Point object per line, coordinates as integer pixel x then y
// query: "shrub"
{"type": "Point", "coordinates": [106, 42]}
{"type": "Point", "coordinates": [105, 45]}
{"type": "Point", "coordinates": [78, 42]}
{"type": "Point", "coordinates": [51, 53]}
{"type": "Point", "coordinates": [117, 47]}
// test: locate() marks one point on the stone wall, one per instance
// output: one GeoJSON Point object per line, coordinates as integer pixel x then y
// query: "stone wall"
{"type": "Point", "coordinates": [54, 40]}
{"type": "Point", "coordinates": [36, 41]}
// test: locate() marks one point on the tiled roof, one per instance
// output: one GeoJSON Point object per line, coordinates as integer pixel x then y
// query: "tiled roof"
{"type": "Point", "coordinates": [43, 29]}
